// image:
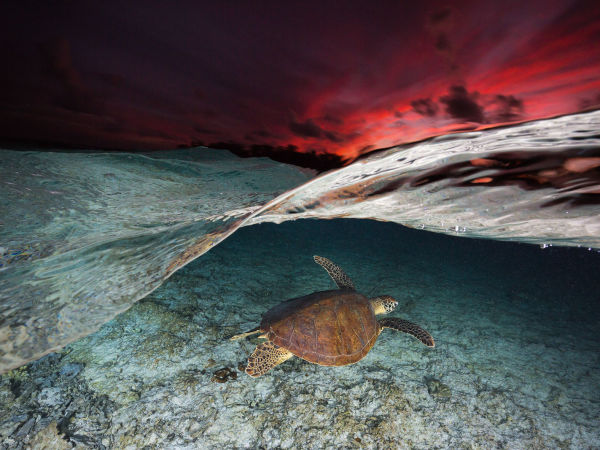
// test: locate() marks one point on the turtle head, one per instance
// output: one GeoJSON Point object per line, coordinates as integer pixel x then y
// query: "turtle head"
{"type": "Point", "coordinates": [383, 304]}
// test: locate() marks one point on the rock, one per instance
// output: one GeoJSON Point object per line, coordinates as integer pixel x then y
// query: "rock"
{"type": "Point", "coordinates": [26, 428]}
{"type": "Point", "coordinates": [223, 375]}
{"type": "Point", "coordinates": [210, 363]}
{"type": "Point", "coordinates": [437, 389]}
{"type": "Point", "coordinates": [49, 438]}
{"type": "Point", "coordinates": [51, 396]}
{"type": "Point", "coordinates": [70, 370]}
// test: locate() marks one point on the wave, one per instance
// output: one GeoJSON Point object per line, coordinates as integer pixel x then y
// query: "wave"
{"type": "Point", "coordinates": [85, 235]}
{"type": "Point", "coordinates": [537, 182]}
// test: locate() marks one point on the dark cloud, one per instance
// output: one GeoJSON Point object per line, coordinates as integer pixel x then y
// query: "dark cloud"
{"type": "Point", "coordinates": [592, 102]}
{"type": "Point", "coordinates": [442, 27]}
{"type": "Point", "coordinates": [259, 135]}
{"type": "Point", "coordinates": [332, 119]}
{"type": "Point", "coordinates": [442, 43]}
{"type": "Point", "coordinates": [509, 108]}
{"type": "Point", "coordinates": [262, 133]}
{"type": "Point", "coordinates": [307, 128]}
{"type": "Point", "coordinates": [463, 105]}
{"type": "Point", "coordinates": [333, 137]}
{"type": "Point", "coordinates": [440, 16]}
{"type": "Point", "coordinates": [398, 114]}
{"type": "Point", "coordinates": [425, 106]}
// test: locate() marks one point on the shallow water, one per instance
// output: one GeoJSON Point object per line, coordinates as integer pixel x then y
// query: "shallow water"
{"type": "Point", "coordinates": [86, 235]}
{"type": "Point", "coordinates": [515, 364]}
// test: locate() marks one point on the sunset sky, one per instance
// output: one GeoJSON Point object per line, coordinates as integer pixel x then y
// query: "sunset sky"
{"type": "Point", "coordinates": [327, 78]}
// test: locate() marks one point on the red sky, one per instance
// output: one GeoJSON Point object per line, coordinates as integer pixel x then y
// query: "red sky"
{"type": "Point", "coordinates": [340, 78]}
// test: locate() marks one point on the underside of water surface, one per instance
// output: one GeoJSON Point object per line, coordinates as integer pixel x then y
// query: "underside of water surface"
{"type": "Point", "coordinates": [126, 274]}
{"type": "Point", "coordinates": [515, 364]}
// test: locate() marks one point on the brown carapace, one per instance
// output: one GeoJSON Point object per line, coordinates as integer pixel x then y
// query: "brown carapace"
{"type": "Point", "coordinates": [329, 328]}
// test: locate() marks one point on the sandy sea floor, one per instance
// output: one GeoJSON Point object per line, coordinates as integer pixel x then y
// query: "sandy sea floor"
{"type": "Point", "coordinates": [516, 363]}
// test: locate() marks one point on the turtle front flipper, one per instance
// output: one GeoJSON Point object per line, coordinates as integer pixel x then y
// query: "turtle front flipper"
{"type": "Point", "coordinates": [335, 272]}
{"type": "Point", "coordinates": [407, 327]}
{"type": "Point", "coordinates": [264, 357]}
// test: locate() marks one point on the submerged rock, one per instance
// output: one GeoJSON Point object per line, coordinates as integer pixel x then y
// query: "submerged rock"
{"type": "Point", "coordinates": [437, 389]}
{"type": "Point", "coordinates": [51, 407]}
{"type": "Point", "coordinates": [223, 375]}
{"type": "Point", "coordinates": [49, 438]}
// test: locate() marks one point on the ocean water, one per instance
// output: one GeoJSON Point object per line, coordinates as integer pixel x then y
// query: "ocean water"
{"type": "Point", "coordinates": [137, 351]}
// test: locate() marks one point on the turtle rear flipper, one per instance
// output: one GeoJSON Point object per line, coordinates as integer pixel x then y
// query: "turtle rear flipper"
{"type": "Point", "coordinates": [336, 273]}
{"type": "Point", "coordinates": [407, 327]}
{"type": "Point", "coordinates": [243, 335]}
{"type": "Point", "coordinates": [264, 357]}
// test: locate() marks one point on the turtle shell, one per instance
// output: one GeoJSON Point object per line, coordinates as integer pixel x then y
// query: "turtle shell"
{"type": "Point", "coordinates": [330, 328]}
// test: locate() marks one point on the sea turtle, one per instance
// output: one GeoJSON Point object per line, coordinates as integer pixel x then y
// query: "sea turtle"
{"type": "Point", "coordinates": [329, 328]}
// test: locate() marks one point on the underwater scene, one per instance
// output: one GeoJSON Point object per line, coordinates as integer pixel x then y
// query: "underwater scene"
{"type": "Point", "coordinates": [454, 301]}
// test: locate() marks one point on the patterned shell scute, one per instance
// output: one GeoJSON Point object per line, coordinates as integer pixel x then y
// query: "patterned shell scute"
{"type": "Point", "coordinates": [331, 328]}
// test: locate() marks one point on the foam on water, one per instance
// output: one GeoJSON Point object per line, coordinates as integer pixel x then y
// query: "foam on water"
{"type": "Point", "coordinates": [86, 235]}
